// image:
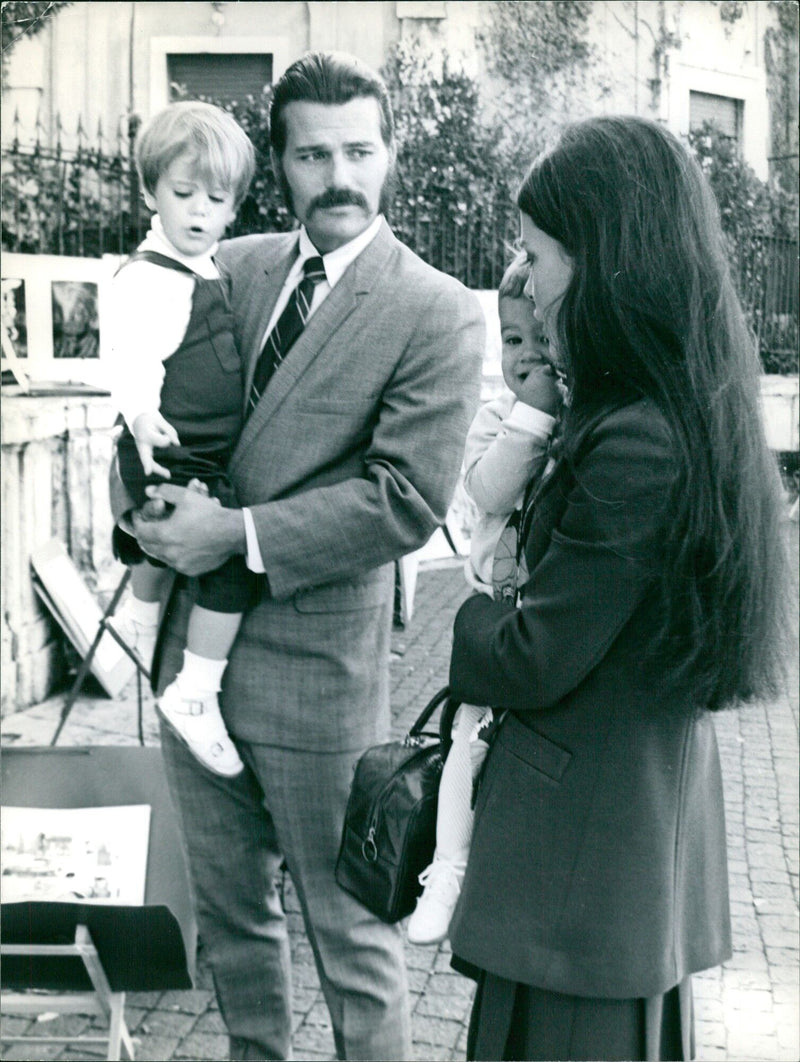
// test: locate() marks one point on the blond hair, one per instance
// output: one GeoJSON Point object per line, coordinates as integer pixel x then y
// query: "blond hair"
{"type": "Point", "coordinates": [224, 153]}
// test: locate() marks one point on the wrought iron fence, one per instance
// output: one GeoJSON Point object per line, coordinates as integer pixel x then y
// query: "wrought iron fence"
{"type": "Point", "coordinates": [80, 201]}
{"type": "Point", "coordinates": [766, 268]}
{"type": "Point", "coordinates": [86, 201]}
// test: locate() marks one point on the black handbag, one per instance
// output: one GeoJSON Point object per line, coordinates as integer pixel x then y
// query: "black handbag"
{"type": "Point", "coordinates": [389, 831]}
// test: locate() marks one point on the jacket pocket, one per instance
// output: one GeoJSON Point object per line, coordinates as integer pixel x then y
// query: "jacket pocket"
{"type": "Point", "coordinates": [348, 595]}
{"type": "Point", "coordinates": [356, 405]}
{"type": "Point", "coordinates": [223, 343]}
{"type": "Point", "coordinates": [533, 748]}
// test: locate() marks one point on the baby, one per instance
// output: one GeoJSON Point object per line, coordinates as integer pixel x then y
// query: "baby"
{"type": "Point", "coordinates": [506, 449]}
{"type": "Point", "coordinates": [179, 386]}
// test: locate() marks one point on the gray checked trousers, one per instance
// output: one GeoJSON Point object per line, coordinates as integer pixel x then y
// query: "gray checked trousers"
{"type": "Point", "coordinates": [288, 804]}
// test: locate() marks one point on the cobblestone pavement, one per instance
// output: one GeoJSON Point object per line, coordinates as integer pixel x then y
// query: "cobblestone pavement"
{"type": "Point", "coordinates": [747, 1010]}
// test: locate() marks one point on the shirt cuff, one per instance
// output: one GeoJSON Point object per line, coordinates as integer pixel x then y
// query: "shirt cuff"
{"type": "Point", "coordinates": [529, 418]}
{"type": "Point", "coordinates": [253, 555]}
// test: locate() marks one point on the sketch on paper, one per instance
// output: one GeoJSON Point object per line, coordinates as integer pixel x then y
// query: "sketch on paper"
{"type": "Point", "coordinates": [94, 855]}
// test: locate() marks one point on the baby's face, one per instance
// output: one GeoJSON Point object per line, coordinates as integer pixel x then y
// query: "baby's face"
{"type": "Point", "coordinates": [524, 341]}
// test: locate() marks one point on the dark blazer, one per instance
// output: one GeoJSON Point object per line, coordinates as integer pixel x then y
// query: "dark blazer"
{"type": "Point", "coordinates": [598, 862]}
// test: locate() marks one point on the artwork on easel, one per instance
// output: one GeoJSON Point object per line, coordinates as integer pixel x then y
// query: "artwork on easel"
{"type": "Point", "coordinates": [62, 588]}
{"type": "Point", "coordinates": [81, 855]}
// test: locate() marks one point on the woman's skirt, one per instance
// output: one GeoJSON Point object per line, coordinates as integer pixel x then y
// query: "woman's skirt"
{"type": "Point", "coordinates": [522, 1022]}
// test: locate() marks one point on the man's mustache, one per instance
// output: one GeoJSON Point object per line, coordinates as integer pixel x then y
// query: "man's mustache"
{"type": "Point", "coordinates": [333, 197]}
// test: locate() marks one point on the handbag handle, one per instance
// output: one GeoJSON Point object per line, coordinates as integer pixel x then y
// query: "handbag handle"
{"type": "Point", "coordinates": [449, 710]}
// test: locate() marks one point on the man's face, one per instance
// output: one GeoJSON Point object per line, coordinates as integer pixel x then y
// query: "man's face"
{"type": "Point", "coordinates": [335, 166]}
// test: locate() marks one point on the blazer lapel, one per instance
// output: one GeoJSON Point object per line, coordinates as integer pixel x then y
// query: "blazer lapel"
{"type": "Point", "coordinates": [262, 297]}
{"type": "Point", "coordinates": [367, 269]}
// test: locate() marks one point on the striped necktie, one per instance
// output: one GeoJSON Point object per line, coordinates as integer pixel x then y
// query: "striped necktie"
{"type": "Point", "coordinates": [287, 328]}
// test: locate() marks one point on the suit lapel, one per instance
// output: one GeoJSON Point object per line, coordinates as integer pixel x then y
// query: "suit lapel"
{"type": "Point", "coordinates": [261, 299]}
{"type": "Point", "coordinates": [367, 269]}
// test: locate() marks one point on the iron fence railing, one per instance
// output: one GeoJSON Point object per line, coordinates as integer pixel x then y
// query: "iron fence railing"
{"type": "Point", "coordinates": [86, 201]}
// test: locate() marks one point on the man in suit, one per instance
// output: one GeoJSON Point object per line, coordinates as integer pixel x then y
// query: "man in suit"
{"type": "Point", "coordinates": [347, 461]}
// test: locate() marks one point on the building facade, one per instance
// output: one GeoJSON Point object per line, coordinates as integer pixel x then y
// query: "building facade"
{"type": "Point", "coordinates": [679, 62]}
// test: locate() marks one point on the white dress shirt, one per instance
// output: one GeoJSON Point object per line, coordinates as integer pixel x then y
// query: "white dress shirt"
{"type": "Point", "coordinates": [335, 263]}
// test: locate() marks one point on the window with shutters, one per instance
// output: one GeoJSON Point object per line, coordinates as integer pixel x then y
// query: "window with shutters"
{"type": "Point", "coordinates": [724, 111]}
{"type": "Point", "coordinates": [222, 77]}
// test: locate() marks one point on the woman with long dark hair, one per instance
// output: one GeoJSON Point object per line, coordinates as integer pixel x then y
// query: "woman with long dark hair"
{"type": "Point", "coordinates": [597, 879]}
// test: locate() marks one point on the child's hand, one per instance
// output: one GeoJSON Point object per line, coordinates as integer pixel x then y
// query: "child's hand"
{"type": "Point", "coordinates": [151, 430]}
{"type": "Point", "coordinates": [539, 389]}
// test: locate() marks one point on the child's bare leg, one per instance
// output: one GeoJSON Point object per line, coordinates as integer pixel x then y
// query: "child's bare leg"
{"type": "Point", "coordinates": [148, 582]}
{"type": "Point", "coordinates": [190, 703]}
{"type": "Point", "coordinates": [212, 634]}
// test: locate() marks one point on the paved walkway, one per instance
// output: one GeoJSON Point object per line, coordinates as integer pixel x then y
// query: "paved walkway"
{"type": "Point", "coordinates": [747, 1010]}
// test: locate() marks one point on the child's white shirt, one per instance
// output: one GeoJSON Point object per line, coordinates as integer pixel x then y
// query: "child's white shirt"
{"type": "Point", "coordinates": [149, 310]}
{"type": "Point", "coordinates": [506, 440]}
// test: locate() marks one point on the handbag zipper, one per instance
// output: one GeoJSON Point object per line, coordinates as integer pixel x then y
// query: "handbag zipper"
{"type": "Point", "coordinates": [369, 849]}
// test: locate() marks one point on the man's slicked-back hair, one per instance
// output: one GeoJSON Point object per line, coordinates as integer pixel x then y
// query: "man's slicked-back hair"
{"type": "Point", "coordinates": [327, 77]}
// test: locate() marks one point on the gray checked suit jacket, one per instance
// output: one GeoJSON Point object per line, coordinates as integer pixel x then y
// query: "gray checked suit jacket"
{"type": "Point", "coordinates": [348, 462]}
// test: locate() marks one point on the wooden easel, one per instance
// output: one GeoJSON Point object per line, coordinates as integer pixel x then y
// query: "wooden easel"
{"type": "Point", "coordinates": [101, 1001]}
{"type": "Point", "coordinates": [103, 627]}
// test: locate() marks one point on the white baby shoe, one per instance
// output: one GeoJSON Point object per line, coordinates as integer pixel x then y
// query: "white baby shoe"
{"type": "Point", "coordinates": [198, 723]}
{"type": "Point", "coordinates": [431, 918]}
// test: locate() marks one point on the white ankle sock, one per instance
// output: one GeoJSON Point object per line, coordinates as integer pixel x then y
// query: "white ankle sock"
{"type": "Point", "coordinates": [144, 613]}
{"type": "Point", "coordinates": [200, 676]}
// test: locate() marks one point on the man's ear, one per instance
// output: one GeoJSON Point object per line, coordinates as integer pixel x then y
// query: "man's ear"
{"type": "Point", "coordinates": [149, 200]}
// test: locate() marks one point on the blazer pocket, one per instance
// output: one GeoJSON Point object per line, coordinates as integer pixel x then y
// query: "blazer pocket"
{"type": "Point", "coordinates": [350, 595]}
{"type": "Point", "coordinates": [533, 748]}
{"type": "Point", "coordinates": [343, 406]}
{"type": "Point", "coordinates": [224, 346]}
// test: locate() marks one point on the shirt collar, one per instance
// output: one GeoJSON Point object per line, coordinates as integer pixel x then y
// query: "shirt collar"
{"type": "Point", "coordinates": [157, 240]}
{"type": "Point", "coordinates": [336, 262]}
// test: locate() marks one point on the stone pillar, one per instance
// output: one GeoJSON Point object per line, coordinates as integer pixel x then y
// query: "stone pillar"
{"type": "Point", "coordinates": [56, 452]}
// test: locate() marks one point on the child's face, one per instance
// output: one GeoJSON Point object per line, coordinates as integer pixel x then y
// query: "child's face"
{"type": "Point", "coordinates": [194, 215]}
{"type": "Point", "coordinates": [524, 342]}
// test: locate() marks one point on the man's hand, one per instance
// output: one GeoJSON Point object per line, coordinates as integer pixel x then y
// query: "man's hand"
{"type": "Point", "coordinates": [151, 430]}
{"type": "Point", "coordinates": [199, 534]}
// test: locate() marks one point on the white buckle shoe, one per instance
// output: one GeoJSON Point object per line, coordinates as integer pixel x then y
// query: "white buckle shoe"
{"type": "Point", "coordinates": [140, 639]}
{"type": "Point", "coordinates": [199, 725]}
{"type": "Point", "coordinates": [431, 918]}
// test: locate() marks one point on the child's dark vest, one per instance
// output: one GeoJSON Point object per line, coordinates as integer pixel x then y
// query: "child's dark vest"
{"type": "Point", "coordinates": [202, 392]}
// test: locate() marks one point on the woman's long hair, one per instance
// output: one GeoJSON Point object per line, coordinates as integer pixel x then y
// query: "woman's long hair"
{"type": "Point", "coordinates": [651, 311]}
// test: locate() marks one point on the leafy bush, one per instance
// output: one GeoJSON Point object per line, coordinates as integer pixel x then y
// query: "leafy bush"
{"type": "Point", "coordinates": [454, 203]}
{"type": "Point", "coordinates": [760, 223]}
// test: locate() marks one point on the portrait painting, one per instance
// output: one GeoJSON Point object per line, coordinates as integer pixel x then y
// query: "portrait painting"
{"type": "Point", "coordinates": [76, 325]}
{"type": "Point", "coordinates": [14, 316]}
